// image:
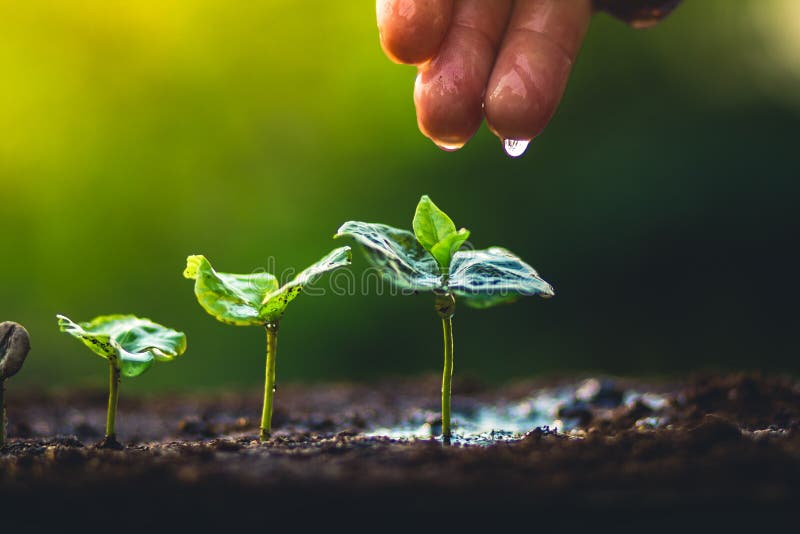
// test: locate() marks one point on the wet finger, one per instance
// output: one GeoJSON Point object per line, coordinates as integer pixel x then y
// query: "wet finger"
{"type": "Point", "coordinates": [449, 90]}
{"type": "Point", "coordinates": [532, 67]}
{"type": "Point", "coordinates": [412, 30]}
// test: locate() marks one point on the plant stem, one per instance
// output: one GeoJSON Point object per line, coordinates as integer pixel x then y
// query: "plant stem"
{"type": "Point", "coordinates": [269, 380]}
{"type": "Point", "coordinates": [2, 413]}
{"type": "Point", "coordinates": [113, 395]}
{"type": "Point", "coordinates": [445, 307]}
{"type": "Point", "coordinates": [447, 377]}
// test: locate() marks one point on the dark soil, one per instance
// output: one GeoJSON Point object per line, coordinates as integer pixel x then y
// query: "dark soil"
{"type": "Point", "coordinates": [716, 451]}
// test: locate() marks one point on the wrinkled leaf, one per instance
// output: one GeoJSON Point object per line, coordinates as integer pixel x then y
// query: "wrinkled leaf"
{"type": "Point", "coordinates": [231, 298]}
{"type": "Point", "coordinates": [131, 344]}
{"type": "Point", "coordinates": [484, 278]}
{"type": "Point", "coordinates": [253, 299]}
{"type": "Point", "coordinates": [436, 232]}
{"type": "Point", "coordinates": [396, 254]}
{"type": "Point", "coordinates": [416, 261]}
{"type": "Point", "coordinates": [274, 304]}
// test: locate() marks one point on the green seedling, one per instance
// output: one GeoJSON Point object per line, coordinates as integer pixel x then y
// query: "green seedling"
{"type": "Point", "coordinates": [429, 260]}
{"type": "Point", "coordinates": [15, 343]}
{"type": "Point", "coordinates": [130, 345]}
{"type": "Point", "coordinates": [256, 299]}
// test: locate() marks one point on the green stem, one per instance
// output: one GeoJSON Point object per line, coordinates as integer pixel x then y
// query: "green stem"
{"type": "Point", "coordinates": [445, 307]}
{"type": "Point", "coordinates": [2, 413]}
{"type": "Point", "coordinates": [447, 377]}
{"type": "Point", "coordinates": [269, 380]}
{"type": "Point", "coordinates": [113, 395]}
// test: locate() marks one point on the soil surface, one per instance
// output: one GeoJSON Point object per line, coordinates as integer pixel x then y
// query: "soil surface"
{"type": "Point", "coordinates": [719, 450]}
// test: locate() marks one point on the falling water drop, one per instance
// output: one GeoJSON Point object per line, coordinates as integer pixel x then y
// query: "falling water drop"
{"type": "Point", "coordinates": [449, 147]}
{"type": "Point", "coordinates": [515, 147]}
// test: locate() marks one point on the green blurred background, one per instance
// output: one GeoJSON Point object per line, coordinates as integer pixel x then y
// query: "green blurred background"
{"type": "Point", "coordinates": [661, 202]}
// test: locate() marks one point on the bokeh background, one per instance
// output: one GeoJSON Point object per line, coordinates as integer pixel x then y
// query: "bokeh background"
{"type": "Point", "coordinates": [661, 202]}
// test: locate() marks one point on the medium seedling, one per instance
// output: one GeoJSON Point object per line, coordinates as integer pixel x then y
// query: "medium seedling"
{"type": "Point", "coordinates": [429, 260]}
{"type": "Point", "coordinates": [15, 344]}
{"type": "Point", "coordinates": [256, 299]}
{"type": "Point", "coordinates": [130, 345]}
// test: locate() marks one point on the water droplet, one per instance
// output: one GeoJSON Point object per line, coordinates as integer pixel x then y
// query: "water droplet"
{"type": "Point", "coordinates": [449, 147]}
{"type": "Point", "coordinates": [515, 147]}
{"type": "Point", "coordinates": [643, 24]}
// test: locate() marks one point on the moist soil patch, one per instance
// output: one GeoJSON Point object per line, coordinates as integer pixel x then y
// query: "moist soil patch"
{"type": "Point", "coordinates": [721, 450]}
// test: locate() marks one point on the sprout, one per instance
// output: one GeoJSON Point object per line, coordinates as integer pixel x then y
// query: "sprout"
{"type": "Point", "coordinates": [256, 300]}
{"type": "Point", "coordinates": [15, 344]}
{"type": "Point", "coordinates": [429, 260]}
{"type": "Point", "coordinates": [130, 345]}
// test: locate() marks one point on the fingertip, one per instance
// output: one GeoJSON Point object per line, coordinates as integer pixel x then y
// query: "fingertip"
{"type": "Point", "coordinates": [448, 103]}
{"type": "Point", "coordinates": [449, 90]}
{"type": "Point", "coordinates": [532, 68]}
{"type": "Point", "coordinates": [525, 87]}
{"type": "Point", "coordinates": [411, 31]}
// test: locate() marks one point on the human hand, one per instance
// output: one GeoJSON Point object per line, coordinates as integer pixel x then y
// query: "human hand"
{"type": "Point", "coordinates": [507, 60]}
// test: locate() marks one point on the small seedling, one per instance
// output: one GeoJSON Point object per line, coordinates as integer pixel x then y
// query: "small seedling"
{"type": "Point", "coordinates": [130, 345]}
{"type": "Point", "coordinates": [256, 299]}
{"type": "Point", "coordinates": [15, 343]}
{"type": "Point", "coordinates": [429, 260]}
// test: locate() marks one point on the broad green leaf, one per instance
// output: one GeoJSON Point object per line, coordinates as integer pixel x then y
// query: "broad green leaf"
{"type": "Point", "coordinates": [396, 254]}
{"type": "Point", "coordinates": [484, 278]}
{"type": "Point", "coordinates": [231, 298]}
{"type": "Point", "coordinates": [436, 232]}
{"type": "Point", "coordinates": [253, 299]}
{"type": "Point", "coordinates": [443, 250]}
{"type": "Point", "coordinates": [274, 304]}
{"type": "Point", "coordinates": [131, 344]}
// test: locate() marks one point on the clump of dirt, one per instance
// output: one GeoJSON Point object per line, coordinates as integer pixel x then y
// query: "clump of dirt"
{"type": "Point", "coordinates": [714, 449]}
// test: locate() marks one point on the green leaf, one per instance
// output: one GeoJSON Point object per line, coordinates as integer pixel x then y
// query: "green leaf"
{"type": "Point", "coordinates": [131, 344]}
{"type": "Point", "coordinates": [396, 254]}
{"type": "Point", "coordinates": [431, 224]}
{"type": "Point", "coordinates": [484, 278]}
{"type": "Point", "coordinates": [443, 250]}
{"type": "Point", "coordinates": [231, 298]}
{"type": "Point", "coordinates": [436, 232]}
{"type": "Point", "coordinates": [274, 304]}
{"type": "Point", "coordinates": [253, 299]}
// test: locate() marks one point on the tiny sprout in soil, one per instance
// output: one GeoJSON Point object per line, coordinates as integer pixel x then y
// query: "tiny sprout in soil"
{"type": "Point", "coordinates": [429, 259]}
{"type": "Point", "coordinates": [130, 345]}
{"type": "Point", "coordinates": [15, 344]}
{"type": "Point", "coordinates": [256, 299]}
